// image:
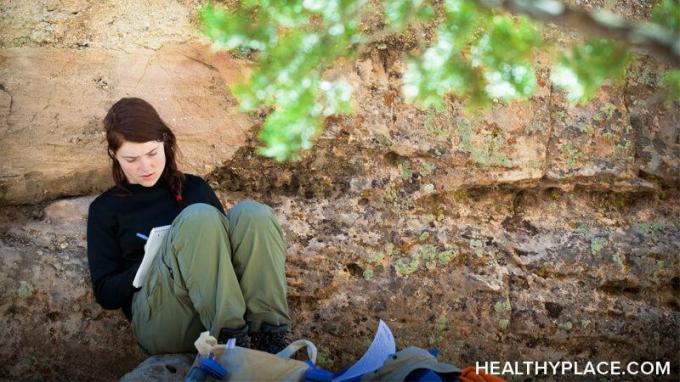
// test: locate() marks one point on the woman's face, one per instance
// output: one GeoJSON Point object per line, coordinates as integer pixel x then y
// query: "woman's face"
{"type": "Point", "coordinates": [142, 163]}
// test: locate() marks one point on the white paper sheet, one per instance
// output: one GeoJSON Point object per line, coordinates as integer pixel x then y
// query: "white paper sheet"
{"type": "Point", "coordinates": [151, 249]}
{"type": "Point", "coordinates": [382, 346]}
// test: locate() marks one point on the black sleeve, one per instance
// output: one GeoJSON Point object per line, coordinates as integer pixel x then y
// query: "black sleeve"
{"type": "Point", "coordinates": [211, 197]}
{"type": "Point", "coordinates": [111, 279]}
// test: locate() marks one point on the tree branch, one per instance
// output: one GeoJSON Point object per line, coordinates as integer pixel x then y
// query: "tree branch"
{"type": "Point", "coordinates": [645, 36]}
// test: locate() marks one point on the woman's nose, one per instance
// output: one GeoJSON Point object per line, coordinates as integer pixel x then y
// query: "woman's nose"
{"type": "Point", "coordinates": [145, 165]}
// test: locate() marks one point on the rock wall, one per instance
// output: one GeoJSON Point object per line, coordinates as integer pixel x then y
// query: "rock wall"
{"type": "Point", "coordinates": [63, 64]}
{"type": "Point", "coordinates": [532, 231]}
{"type": "Point", "coordinates": [535, 230]}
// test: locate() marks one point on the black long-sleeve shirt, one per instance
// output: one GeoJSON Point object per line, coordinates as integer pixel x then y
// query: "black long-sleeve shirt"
{"type": "Point", "coordinates": [114, 251]}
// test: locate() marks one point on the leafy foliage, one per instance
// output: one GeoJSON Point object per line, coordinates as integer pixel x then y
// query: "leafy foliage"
{"type": "Point", "coordinates": [474, 53]}
{"type": "Point", "coordinates": [667, 13]}
{"type": "Point", "coordinates": [292, 53]}
{"type": "Point", "coordinates": [672, 81]}
{"type": "Point", "coordinates": [582, 71]}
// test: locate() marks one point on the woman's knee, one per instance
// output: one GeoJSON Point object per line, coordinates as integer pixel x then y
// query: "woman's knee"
{"type": "Point", "coordinates": [199, 213]}
{"type": "Point", "coordinates": [250, 211]}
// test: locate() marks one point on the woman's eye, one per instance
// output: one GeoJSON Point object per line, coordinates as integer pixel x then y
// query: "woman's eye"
{"type": "Point", "coordinates": [131, 160]}
{"type": "Point", "coordinates": [152, 154]}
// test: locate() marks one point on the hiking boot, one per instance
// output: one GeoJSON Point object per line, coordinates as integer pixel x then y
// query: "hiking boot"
{"type": "Point", "coordinates": [270, 338]}
{"type": "Point", "coordinates": [241, 335]}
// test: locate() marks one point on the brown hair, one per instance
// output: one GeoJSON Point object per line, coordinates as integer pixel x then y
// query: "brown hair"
{"type": "Point", "coordinates": [135, 120]}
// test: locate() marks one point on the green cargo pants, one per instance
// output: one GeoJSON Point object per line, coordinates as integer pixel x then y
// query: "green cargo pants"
{"type": "Point", "coordinates": [213, 272]}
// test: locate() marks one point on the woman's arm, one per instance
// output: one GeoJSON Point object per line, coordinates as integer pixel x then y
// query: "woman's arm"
{"type": "Point", "coordinates": [111, 276]}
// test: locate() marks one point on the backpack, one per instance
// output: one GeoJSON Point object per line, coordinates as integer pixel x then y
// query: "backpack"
{"type": "Point", "coordinates": [243, 364]}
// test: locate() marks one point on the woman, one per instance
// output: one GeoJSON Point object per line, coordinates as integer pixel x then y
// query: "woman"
{"type": "Point", "coordinates": [216, 272]}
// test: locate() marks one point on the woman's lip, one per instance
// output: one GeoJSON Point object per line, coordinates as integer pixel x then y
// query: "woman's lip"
{"type": "Point", "coordinates": [147, 176]}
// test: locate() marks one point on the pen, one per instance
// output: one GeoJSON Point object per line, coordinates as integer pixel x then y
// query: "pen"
{"type": "Point", "coordinates": [143, 237]}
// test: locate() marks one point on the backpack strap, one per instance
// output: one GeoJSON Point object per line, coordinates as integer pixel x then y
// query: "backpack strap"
{"type": "Point", "coordinates": [294, 346]}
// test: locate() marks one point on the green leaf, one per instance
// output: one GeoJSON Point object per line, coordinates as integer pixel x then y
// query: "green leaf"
{"type": "Point", "coordinates": [504, 51]}
{"type": "Point", "coordinates": [667, 13]}
{"type": "Point", "coordinates": [441, 70]}
{"type": "Point", "coordinates": [672, 82]}
{"type": "Point", "coordinates": [582, 71]}
{"type": "Point", "coordinates": [233, 29]}
{"type": "Point", "coordinates": [398, 13]}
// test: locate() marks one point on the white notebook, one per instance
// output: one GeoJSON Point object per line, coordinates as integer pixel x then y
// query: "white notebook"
{"type": "Point", "coordinates": [151, 249]}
